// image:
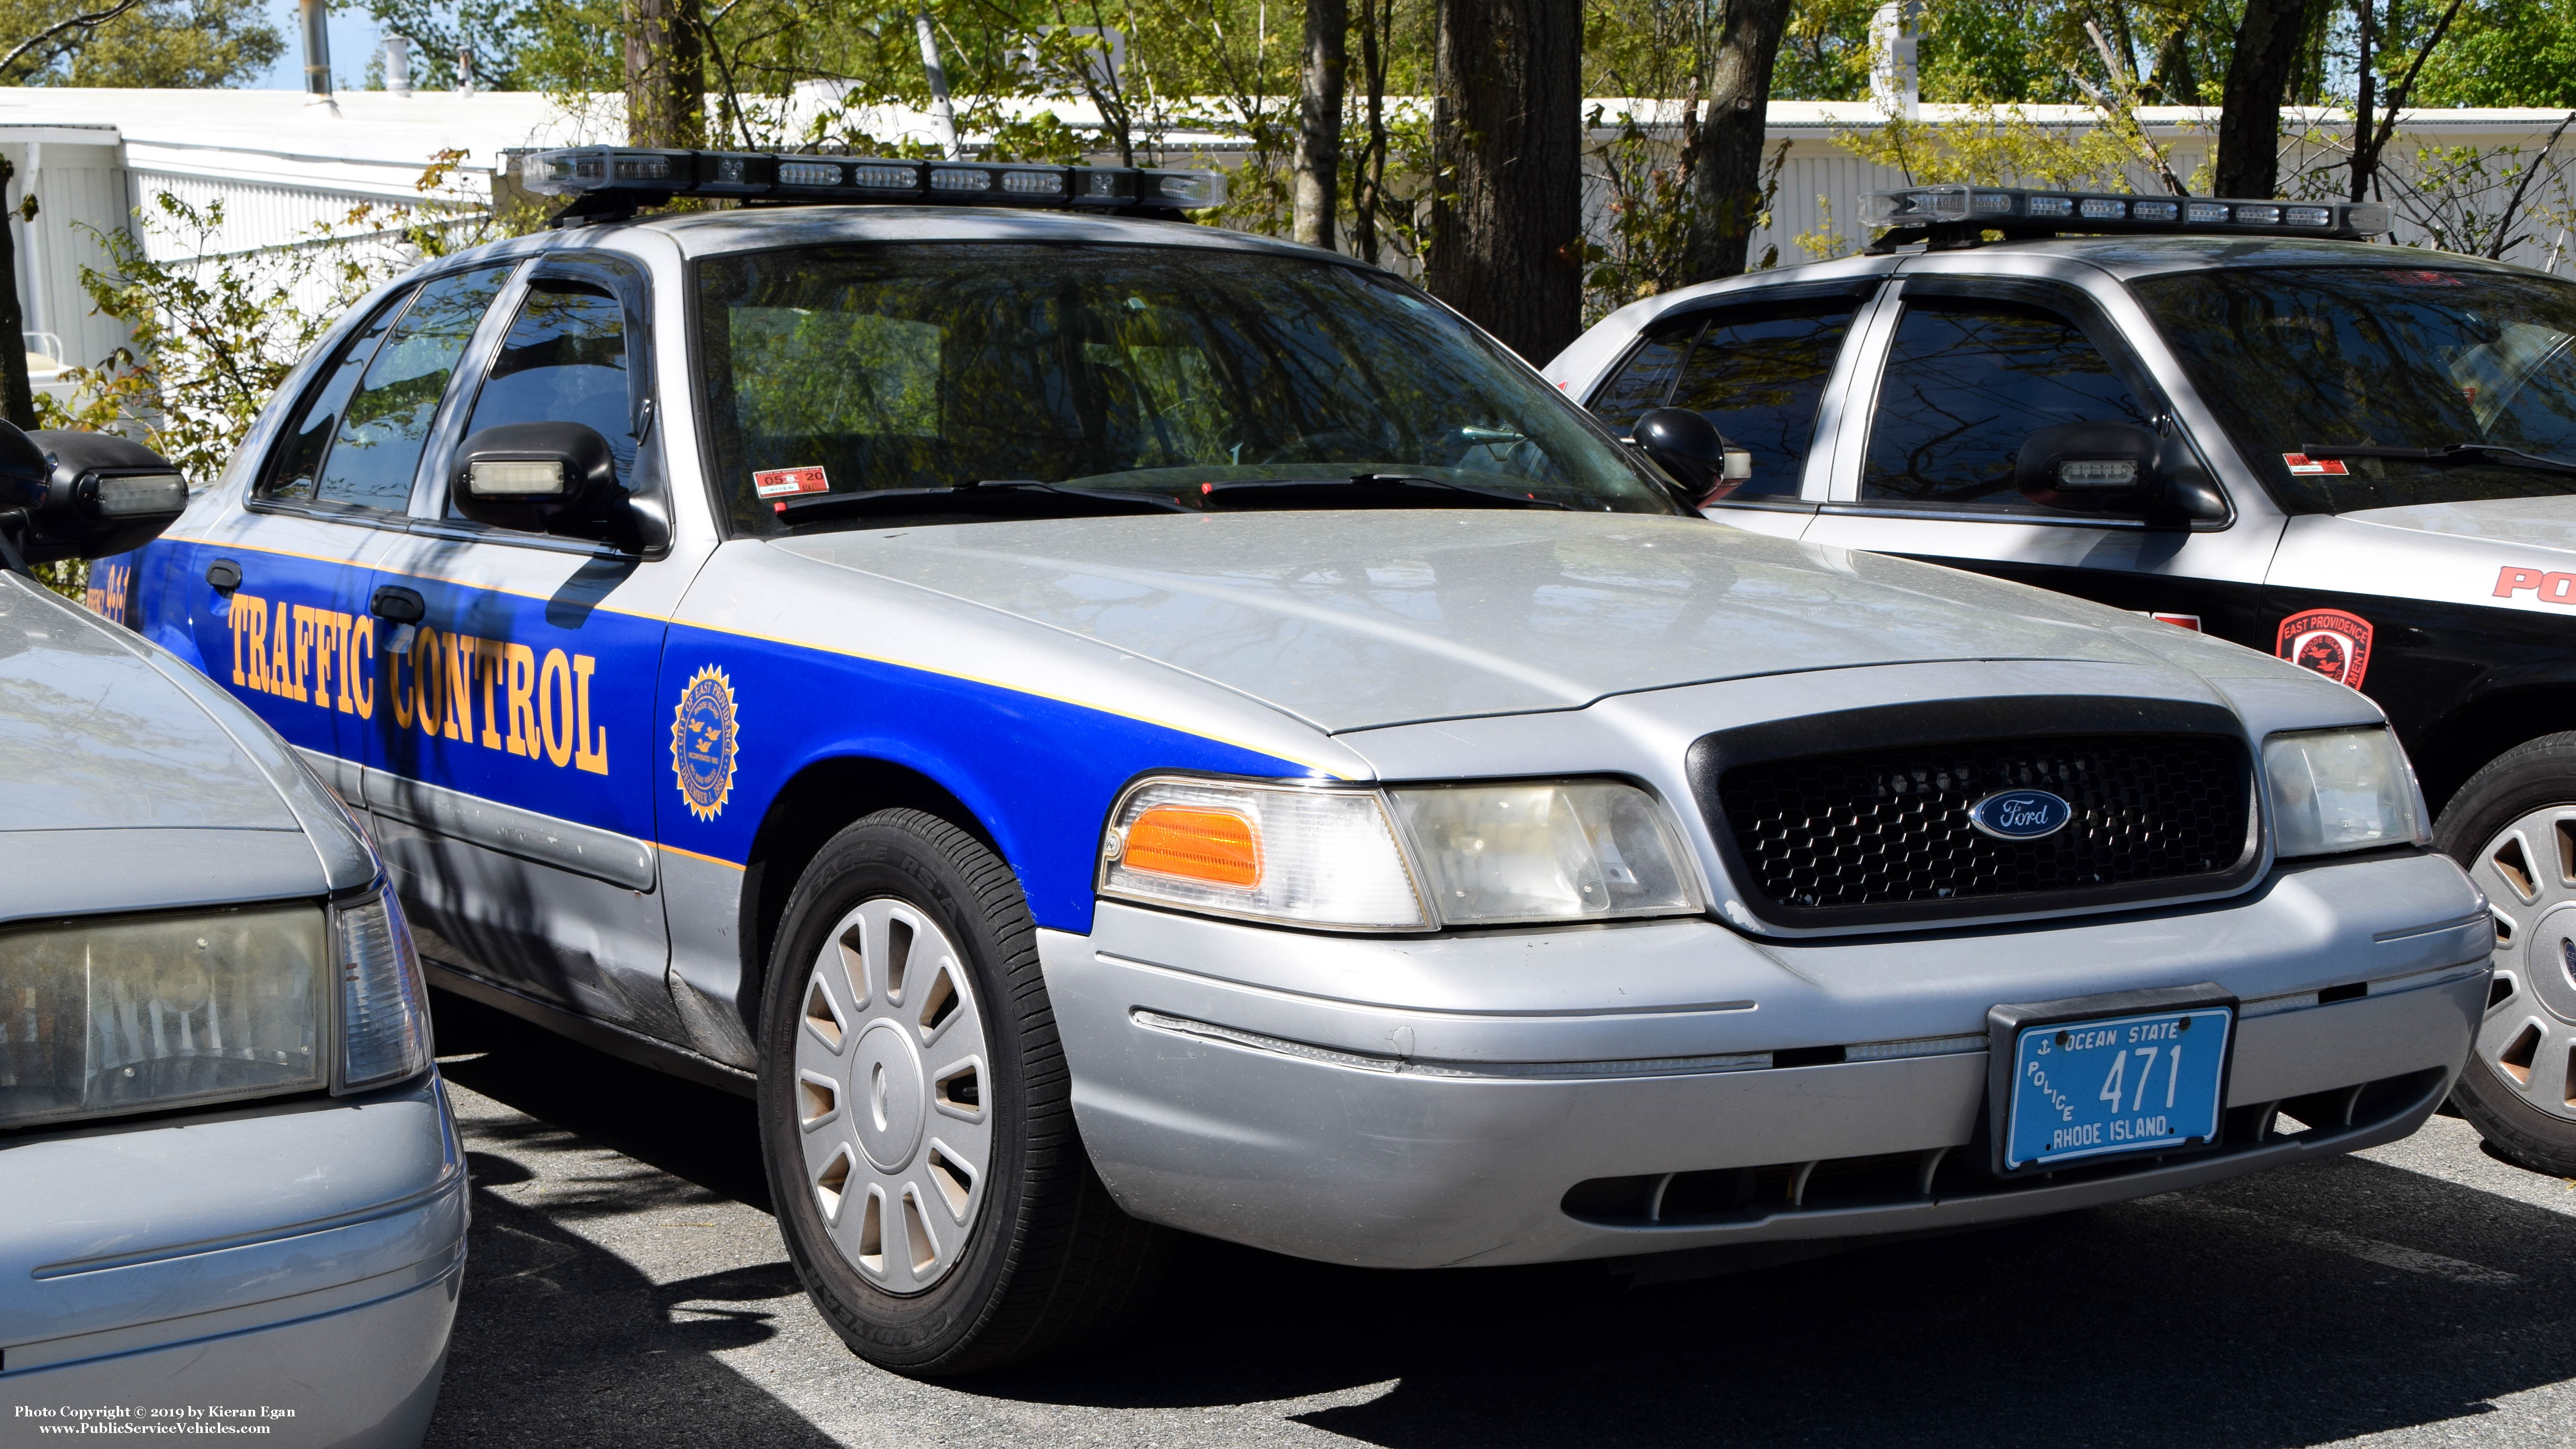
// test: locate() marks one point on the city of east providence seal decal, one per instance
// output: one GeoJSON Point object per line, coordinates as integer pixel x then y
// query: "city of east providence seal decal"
{"type": "Point", "coordinates": [702, 742]}
{"type": "Point", "coordinates": [2329, 641]}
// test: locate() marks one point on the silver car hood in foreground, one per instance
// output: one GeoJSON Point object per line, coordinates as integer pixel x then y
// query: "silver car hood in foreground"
{"type": "Point", "coordinates": [130, 782]}
{"type": "Point", "coordinates": [1356, 619]}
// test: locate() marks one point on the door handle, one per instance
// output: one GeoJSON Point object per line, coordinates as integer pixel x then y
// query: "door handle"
{"type": "Point", "coordinates": [397, 605]}
{"type": "Point", "coordinates": [224, 574]}
{"type": "Point", "coordinates": [401, 608]}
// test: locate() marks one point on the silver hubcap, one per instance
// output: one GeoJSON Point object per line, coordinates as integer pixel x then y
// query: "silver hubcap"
{"type": "Point", "coordinates": [890, 1095]}
{"type": "Point", "coordinates": [2529, 874]}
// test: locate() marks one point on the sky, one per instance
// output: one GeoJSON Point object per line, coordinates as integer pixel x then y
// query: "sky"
{"type": "Point", "coordinates": [353, 37]}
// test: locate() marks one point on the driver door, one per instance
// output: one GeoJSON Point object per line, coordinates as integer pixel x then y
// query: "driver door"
{"type": "Point", "coordinates": [1958, 377]}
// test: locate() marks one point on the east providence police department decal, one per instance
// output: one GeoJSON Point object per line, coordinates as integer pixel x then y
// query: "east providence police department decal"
{"type": "Point", "coordinates": [2329, 641]}
{"type": "Point", "coordinates": [702, 742]}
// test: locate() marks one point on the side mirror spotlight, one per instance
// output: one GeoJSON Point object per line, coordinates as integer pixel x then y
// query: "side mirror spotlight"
{"type": "Point", "coordinates": [1689, 447]}
{"type": "Point", "coordinates": [549, 477]}
{"type": "Point", "coordinates": [2092, 468]}
{"type": "Point", "coordinates": [66, 494]}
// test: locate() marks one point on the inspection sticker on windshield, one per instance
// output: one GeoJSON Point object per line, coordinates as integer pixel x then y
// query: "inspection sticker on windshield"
{"type": "Point", "coordinates": [2302, 463]}
{"type": "Point", "coordinates": [787, 482]}
{"type": "Point", "coordinates": [2123, 1084]}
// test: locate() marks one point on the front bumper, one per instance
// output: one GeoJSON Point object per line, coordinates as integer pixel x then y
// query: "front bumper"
{"type": "Point", "coordinates": [301, 1255]}
{"type": "Point", "coordinates": [1538, 1096]}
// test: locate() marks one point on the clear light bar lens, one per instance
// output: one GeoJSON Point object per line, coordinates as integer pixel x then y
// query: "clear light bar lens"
{"type": "Point", "coordinates": [1033, 183]}
{"type": "Point", "coordinates": [1548, 851]}
{"type": "Point", "coordinates": [809, 173]}
{"type": "Point", "coordinates": [2202, 213]}
{"type": "Point", "coordinates": [1325, 857]}
{"type": "Point", "coordinates": [2370, 218]}
{"type": "Point", "coordinates": [139, 1014]}
{"type": "Point", "coordinates": [149, 493]}
{"type": "Point", "coordinates": [2338, 790]}
{"type": "Point", "coordinates": [1190, 188]}
{"type": "Point", "coordinates": [2309, 216]}
{"type": "Point", "coordinates": [885, 178]}
{"type": "Point", "coordinates": [2156, 210]}
{"type": "Point", "coordinates": [2049, 205]}
{"type": "Point", "coordinates": [1991, 203]}
{"type": "Point", "coordinates": [2258, 215]}
{"type": "Point", "coordinates": [384, 1009]}
{"type": "Point", "coordinates": [958, 178]}
{"type": "Point", "coordinates": [2102, 208]}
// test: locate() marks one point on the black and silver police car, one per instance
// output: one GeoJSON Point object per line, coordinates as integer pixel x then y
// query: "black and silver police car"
{"type": "Point", "coordinates": [2240, 417]}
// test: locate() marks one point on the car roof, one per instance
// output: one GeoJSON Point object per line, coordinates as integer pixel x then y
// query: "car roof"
{"type": "Point", "coordinates": [754, 228]}
{"type": "Point", "coordinates": [2130, 257]}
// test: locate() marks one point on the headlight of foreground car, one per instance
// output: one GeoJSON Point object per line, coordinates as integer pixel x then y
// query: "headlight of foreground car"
{"type": "Point", "coordinates": [1407, 859]}
{"type": "Point", "coordinates": [2339, 790]}
{"type": "Point", "coordinates": [100, 1018]}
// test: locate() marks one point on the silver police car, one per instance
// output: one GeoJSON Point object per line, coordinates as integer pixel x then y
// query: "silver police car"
{"type": "Point", "coordinates": [231, 1198]}
{"type": "Point", "coordinates": [1107, 725]}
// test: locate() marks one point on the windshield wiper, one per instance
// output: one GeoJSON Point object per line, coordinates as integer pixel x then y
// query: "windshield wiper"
{"type": "Point", "coordinates": [2447, 453]}
{"type": "Point", "coordinates": [999, 497]}
{"type": "Point", "coordinates": [1400, 490]}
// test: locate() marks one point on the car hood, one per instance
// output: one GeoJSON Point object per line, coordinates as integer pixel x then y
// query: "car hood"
{"type": "Point", "coordinates": [1356, 619]}
{"type": "Point", "coordinates": [2547, 522]}
{"type": "Point", "coordinates": [128, 783]}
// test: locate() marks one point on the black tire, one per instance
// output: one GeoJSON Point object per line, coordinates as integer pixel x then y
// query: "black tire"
{"type": "Point", "coordinates": [2531, 1011]}
{"type": "Point", "coordinates": [1048, 1259]}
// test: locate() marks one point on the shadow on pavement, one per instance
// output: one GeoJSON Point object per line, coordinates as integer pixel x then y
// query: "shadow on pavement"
{"type": "Point", "coordinates": [2301, 1306]}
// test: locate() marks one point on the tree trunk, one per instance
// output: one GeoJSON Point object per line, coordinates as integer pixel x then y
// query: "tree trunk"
{"type": "Point", "coordinates": [1506, 145]}
{"type": "Point", "coordinates": [17, 398]}
{"type": "Point", "coordinates": [1319, 124]}
{"type": "Point", "coordinates": [2364, 20]}
{"type": "Point", "coordinates": [2249, 123]}
{"type": "Point", "coordinates": [1725, 167]}
{"type": "Point", "coordinates": [1369, 188]}
{"type": "Point", "coordinates": [666, 74]}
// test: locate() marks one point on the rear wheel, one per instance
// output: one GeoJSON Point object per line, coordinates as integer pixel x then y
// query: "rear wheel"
{"type": "Point", "coordinates": [2513, 828]}
{"type": "Point", "coordinates": [915, 1114]}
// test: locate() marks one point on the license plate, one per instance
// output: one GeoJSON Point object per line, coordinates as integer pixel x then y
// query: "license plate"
{"type": "Point", "coordinates": [2138, 1082]}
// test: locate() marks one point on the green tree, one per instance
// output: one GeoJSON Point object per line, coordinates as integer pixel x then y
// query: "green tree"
{"type": "Point", "coordinates": [2505, 53]}
{"type": "Point", "coordinates": [192, 44]}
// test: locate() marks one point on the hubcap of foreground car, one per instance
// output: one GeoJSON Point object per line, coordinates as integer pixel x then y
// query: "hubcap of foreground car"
{"type": "Point", "coordinates": [2529, 1036]}
{"type": "Point", "coordinates": [890, 1095]}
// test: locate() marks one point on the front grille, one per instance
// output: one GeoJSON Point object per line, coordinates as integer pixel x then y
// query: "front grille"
{"type": "Point", "coordinates": [1885, 831]}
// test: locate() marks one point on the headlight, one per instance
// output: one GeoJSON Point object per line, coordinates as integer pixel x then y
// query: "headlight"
{"type": "Point", "coordinates": [2337, 790]}
{"type": "Point", "coordinates": [140, 1014]}
{"type": "Point", "coordinates": [1279, 852]}
{"type": "Point", "coordinates": [1409, 859]}
{"type": "Point", "coordinates": [1572, 851]}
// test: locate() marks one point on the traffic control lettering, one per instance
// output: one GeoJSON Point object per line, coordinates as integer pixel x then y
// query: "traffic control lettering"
{"type": "Point", "coordinates": [310, 655]}
{"type": "Point", "coordinates": [498, 694]}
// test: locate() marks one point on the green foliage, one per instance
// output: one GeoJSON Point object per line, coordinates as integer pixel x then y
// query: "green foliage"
{"type": "Point", "coordinates": [213, 338]}
{"type": "Point", "coordinates": [191, 44]}
{"type": "Point", "coordinates": [2505, 53]}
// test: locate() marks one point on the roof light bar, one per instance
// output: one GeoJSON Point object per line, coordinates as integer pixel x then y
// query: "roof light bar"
{"type": "Point", "coordinates": [1959, 213]}
{"type": "Point", "coordinates": [600, 178]}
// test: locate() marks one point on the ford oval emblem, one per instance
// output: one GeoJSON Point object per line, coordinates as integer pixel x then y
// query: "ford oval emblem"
{"type": "Point", "coordinates": [2021, 814]}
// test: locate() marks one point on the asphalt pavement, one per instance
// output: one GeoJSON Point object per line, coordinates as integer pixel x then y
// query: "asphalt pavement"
{"type": "Point", "coordinates": [627, 1287]}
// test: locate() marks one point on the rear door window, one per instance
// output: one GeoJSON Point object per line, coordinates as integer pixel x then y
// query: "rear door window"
{"type": "Point", "coordinates": [1967, 382]}
{"type": "Point", "coordinates": [358, 442]}
{"type": "Point", "coordinates": [565, 360]}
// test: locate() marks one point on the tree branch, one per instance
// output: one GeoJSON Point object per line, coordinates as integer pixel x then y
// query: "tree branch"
{"type": "Point", "coordinates": [91, 21]}
{"type": "Point", "coordinates": [2531, 173]}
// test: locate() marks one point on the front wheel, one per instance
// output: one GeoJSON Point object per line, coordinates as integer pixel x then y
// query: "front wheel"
{"type": "Point", "coordinates": [2513, 828]}
{"type": "Point", "coordinates": [915, 1113]}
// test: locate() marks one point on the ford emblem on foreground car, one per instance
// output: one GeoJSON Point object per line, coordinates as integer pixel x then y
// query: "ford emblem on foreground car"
{"type": "Point", "coordinates": [1109, 725]}
{"type": "Point", "coordinates": [231, 1199]}
{"type": "Point", "coordinates": [2233, 416]}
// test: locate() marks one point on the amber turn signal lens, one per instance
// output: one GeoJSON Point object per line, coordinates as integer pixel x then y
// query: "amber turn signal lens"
{"type": "Point", "coordinates": [1217, 846]}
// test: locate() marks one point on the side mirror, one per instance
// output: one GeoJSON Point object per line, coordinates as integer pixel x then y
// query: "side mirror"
{"type": "Point", "coordinates": [2092, 468]}
{"type": "Point", "coordinates": [1689, 447]}
{"type": "Point", "coordinates": [69, 494]}
{"type": "Point", "coordinates": [549, 477]}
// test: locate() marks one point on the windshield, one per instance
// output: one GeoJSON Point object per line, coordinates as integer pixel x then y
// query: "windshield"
{"type": "Point", "coordinates": [2413, 356]}
{"type": "Point", "coordinates": [1164, 372]}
